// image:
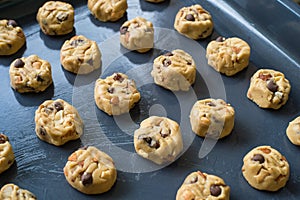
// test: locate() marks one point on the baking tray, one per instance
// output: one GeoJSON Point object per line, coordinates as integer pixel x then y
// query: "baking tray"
{"type": "Point", "coordinates": [270, 27]}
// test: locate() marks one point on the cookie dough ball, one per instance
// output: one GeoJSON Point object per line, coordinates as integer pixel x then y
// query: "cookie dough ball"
{"type": "Point", "coordinates": [158, 139]}
{"type": "Point", "coordinates": [116, 94]}
{"type": "Point", "coordinates": [212, 118]}
{"type": "Point", "coordinates": [7, 156]}
{"type": "Point", "coordinates": [155, 1]}
{"type": "Point", "coordinates": [175, 70]}
{"type": "Point", "coordinates": [198, 185]}
{"type": "Point", "coordinates": [56, 18]}
{"type": "Point", "coordinates": [269, 89]}
{"type": "Point", "coordinates": [228, 56]}
{"type": "Point", "coordinates": [293, 131]}
{"type": "Point", "coordinates": [12, 37]}
{"type": "Point", "coordinates": [13, 192]}
{"type": "Point", "coordinates": [107, 10]}
{"type": "Point", "coordinates": [57, 122]}
{"type": "Point", "coordinates": [80, 55]}
{"type": "Point", "coordinates": [194, 22]}
{"type": "Point", "coordinates": [90, 171]}
{"type": "Point", "coordinates": [30, 74]}
{"type": "Point", "coordinates": [266, 169]}
{"type": "Point", "coordinates": [137, 34]}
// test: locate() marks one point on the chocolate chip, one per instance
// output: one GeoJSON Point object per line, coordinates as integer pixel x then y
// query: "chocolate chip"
{"type": "Point", "coordinates": [58, 106]}
{"type": "Point", "coordinates": [75, 43]}
{"type": "Point", "coordinates": [215, 190]}
{"type": "Point", "coordinates": [39, 78]}
{"type": "Point", "coordinates": [190, 17]}
{"type": "Point", "coordinates": [19, 63]}
{"type": "Point", "coordinates": [62, 17]}
{"type": "Point", "coordinates": [211, 104]}
{"type": "Point", "coordinates": [3, 138]}
{"type": "Point", "coordinates": [265, 77]}
{"type": "Point", "coordinates": [194, 179]}
{"type": "Point", "coordinates": [123, 30]}
{"type": "Point", "coordinates": [118, 77]}
{"type": "Point", "coordinates": [86, 179]}
{"type": "Point", "coordinates": [167, 62]}
{"type": "Point", "coordinates": [152, 143]}
{"type": "Point", "coordinates": [111, 90]}
{"type": "Point", "coordinates": [84, 147]}
{"type": "Point", "coordinates": [272, 86]}
{"type": "Point", "coordinates": [43, 131]}
{"type": "Point", "coordinates": [258, 157]}
{"type": "Point", "coordinates": [188, 63]}
{"type": "Point", "coordinates": [168, 54]}
{"type": "Point", "coordinates": [220, 39]}
{"type": "Point", "coordinates": [90, 62]}
{"type": "Point", "coordinates": [164, 134]}
{"type": "Point", "coordinates": [12, 22]}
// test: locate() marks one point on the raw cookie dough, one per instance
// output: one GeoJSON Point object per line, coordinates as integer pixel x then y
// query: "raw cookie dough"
{"type": "Point", "coordinates": [57, 122]}
{"type": "Point", "coordinates": [266, 169]}
{"type": "Point", "coordinates": [56, 18]}
{"type": "Point", "coordinates": [30, 74]}
{"type": "Point", "coordinates": [293, 131]}
{"type": "Point", "coordinates": [198, 185]}
{"type": "Point", "coordinates": [194, 22]}
{"type": "Point", "coordinates": [116, 94]}
{"type": "Point", "coordinates": [107, 10]}
{"type": "Point", "coordinates": [228, 56]}
{"type": "Point", "coordinates": [80, 55]}
{"type": "Point", "coordinates": [212, 118]}
{"type": "Point", "coordinates": [175, 70]}
{"type": "Point", "coordinates": [90, 171]}
{"type": "Point", "coordinates": [137, 34]}
{"type": "Point", "coordinates": [12, 37]}
{"type": "Point", "coordinates": [158, 139]}
{"type": "Point", "coordinates": [13, 192]}
{"type": "Point", "coordinates": [269, 89]}
{"type": "Point", "coordinates": [7, 156]}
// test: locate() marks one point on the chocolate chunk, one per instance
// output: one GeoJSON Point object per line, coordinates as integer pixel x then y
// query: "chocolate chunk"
{"type": "Point", "coordinates": [84, 147]}
{"type": "Point", "coordinates": [194, 179]}
{"type": "Point", "coordinates": [258, 157]}
{"type": "Point", "coordinates": [12, 22]}
{"type": "Point", "coordinates": [3, 138]}
{"type": "Point", "coordinates": [43, 131]}
{"type": "Point", "coordinates": [220, 39]}
{"type": "Point", "coordinates": [151, 143]}
{"type": "Point", "coordinates": [118, 77]}
{"type": "Point", "coordinates": [211, 104]}
{"type": "Point", "coordinates": [123, 30]}
{"type": "Point", "coordinates": [168, 54]}
{"type": "Point", "coordinates": [188, 63]}
{"type": "Point", "coordinates": [111, 90]}
{"type": "Point", "coordinates": [167, 62]}
{"type": "Point", "coordinates": [190, 17]}
{"type": "Point", "coordinates": [19, 63]}
{"type": "Point", "coordinates": [39, 78]}
{"type": "Point", "coordinates": [90, 62]}
{"type": "Point", "coordinates": [62, 17]}
{"type": "Point", "coordinates": [164, 134]}
{"type": "Point", "coordinates": [215, 190]}
{"type": "Point", "coordinates": [86, 179]}
{"type": "Point", "coordinates": [272, 86]}
{"type": "Point", "coordinates": [58, 106]}
{"type": "Point", "coordinates": [76, 43]}
{"type": "Point", "coordinates": [265, 77]}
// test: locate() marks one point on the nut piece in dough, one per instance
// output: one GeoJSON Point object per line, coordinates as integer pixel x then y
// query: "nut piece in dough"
{"type": "Point", "coordinates": [12, 37]}
{"type": "Point", "coordinates": [137, 34]}
{"type": "Point", "coordinates": [107, 10]}
{"type": "Point", "coordinates": [57, 122]}
{"type": "Point", "coordinates": [269, 89]}
{"type": "Point", "coordinates": [90, 171]}
{"type": "Point", "coordinates": [158, 139]}
{"type": "Point", "coordinates": [194, 22]}
{"type": "Point", "coordinates": [198, 185]}
{"type": "Point", "coordinates": [13, 192]}
{"type": "Point", "coordinates": [56, 18]}
{"type": "Point", "coordinates": [116, 94]}
{"type": "Point", "coordinates": [174, 70]}
{"type": "Point", "coordinates": [228, 56]}
{"type": "Point", "coordinates": [80, 55]}
{"type": "Point", "coordinates": [265, 169]}
{"type": "Point", "coordinates": [7, 156]}
{"type": "Point", "coordinates": [30, 74]}
{"type": "Point", "coordinates": [293, 131]}
{"type": "Point", "coordinates": [212, 118]}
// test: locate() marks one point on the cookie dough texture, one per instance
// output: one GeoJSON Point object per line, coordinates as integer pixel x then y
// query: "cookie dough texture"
{"type": "Point", "coordinates": [228, 56]}
{"type": "Point", "coordinates": [7, 156]}
{"type": "Point", "coordinates": [12, 37]}
{"type": "Point", "coordinates": [265, 168]}
{"type": "Point", "coordinates": [107, 10]}
{"type": "Point", "coordinates": [194, 22]}
{"type": "Point", "coordinates": [269, 89]}
{"type": "Point", "coordinates": [30, 74]}
{"type": "Point", "coordinates": [90, 171]}
{"type": "Point", "coordinates": [175, 70]}
{"type": "Point", "coordinates": [158, 139]}
{"type": "Point", "coordinates": [116, 94]}
{"type": "Point", "coordinates": [293, 131]}
{"type": "Point", "coordinates": [80, 55]}
{"type": "Point", "coordinates": [198, 185]}
{"type": "Point", "coordinates": [57, 122]}
{"type": "Point", "coordinates": [56, 18]}
{"type": "Point", "coordinates": [13, 192]}
{"type": "Point", "coordinates": [212, 118]}
{"type": "Point", "coordinates": [137, 34]}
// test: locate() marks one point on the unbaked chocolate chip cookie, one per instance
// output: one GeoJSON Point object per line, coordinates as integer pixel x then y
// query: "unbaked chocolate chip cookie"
{"type": "Point", "coordinates": [293, 131]}
{"type": "Point", "coordinates": [13, 192]}
{"type": "Point", "coordinates": [7, 156]}
{"type": "Point", "coordinates": [90, 171]}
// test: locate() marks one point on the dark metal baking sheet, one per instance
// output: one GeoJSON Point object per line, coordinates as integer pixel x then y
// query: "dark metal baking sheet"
{"type": "Point", "coordinates": [270, 27]}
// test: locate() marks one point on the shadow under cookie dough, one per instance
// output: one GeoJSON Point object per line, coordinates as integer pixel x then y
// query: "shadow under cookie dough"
{"type": "Point", "coordinates": [7, 60]}
{"type": "Point", "coordinates": [111, 25]}
{"type": "Point", "coordinates": [149, 6]}
{"type": "Point", "coordinates": [10, 174]}
{"type": "Point", "coordinates": [56, 41]}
